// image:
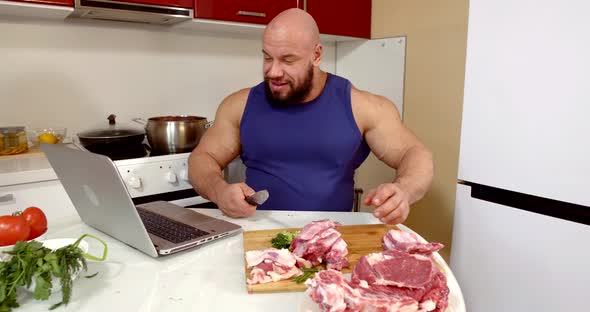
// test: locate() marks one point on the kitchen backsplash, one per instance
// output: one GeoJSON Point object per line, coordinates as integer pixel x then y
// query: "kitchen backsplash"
{"type": "Point", "coordinates": [74, 74]}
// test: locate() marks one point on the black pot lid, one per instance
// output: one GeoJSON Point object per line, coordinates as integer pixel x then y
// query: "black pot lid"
{"type": "Point", "coordinates": [113, 131]}
{"type": "Point", "coordinates": [110, 133]}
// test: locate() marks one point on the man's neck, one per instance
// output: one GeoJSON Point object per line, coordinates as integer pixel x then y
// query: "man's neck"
{"type": "Point", "coordinates": [318, 84]}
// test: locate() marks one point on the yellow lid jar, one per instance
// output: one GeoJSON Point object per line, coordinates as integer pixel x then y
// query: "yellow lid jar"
{"type": "Point", "coordinates": [13, 140]}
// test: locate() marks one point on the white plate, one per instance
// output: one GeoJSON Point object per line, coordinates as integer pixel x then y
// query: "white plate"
{"type": "Point", "coordinates": [5, 257]}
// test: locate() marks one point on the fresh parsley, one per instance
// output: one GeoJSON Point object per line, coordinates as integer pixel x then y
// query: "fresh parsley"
{"type": "Point", "coordinates": [33, 261]}
{"type": "Point", "coordinates": [283, 239]}
{"type": "Point", "coordinates": [307, 274]}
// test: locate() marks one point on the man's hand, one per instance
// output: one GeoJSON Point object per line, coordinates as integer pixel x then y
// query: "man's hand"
{"type": "Point", "coordinates": [392, 204]}
{"type": "Point", "coordinates": [231, 199]}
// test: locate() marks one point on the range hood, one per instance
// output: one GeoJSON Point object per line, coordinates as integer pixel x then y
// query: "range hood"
{"type": "Point", "coordinates": [130, 12]}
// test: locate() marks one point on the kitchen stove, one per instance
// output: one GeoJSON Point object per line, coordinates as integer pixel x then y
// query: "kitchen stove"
{"type": "Point", "coordinates": [159, 177]}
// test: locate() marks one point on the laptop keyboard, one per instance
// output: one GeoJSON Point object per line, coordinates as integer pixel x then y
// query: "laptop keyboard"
{"type": "Point", "coordinates": [167, 228]}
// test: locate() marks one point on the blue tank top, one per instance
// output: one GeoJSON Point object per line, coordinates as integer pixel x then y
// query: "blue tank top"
{"type": "Point", "coordinates": [305, 155]}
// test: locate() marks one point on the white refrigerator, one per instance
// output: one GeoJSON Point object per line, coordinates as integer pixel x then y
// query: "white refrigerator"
{"type": "Point", "coordinates": [521, 233]}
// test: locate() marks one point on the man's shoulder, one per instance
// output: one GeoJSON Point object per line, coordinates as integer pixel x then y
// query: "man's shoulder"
{"type": "Point", "coordinates": [240, 96]}
{"type": "Point", "coordinates": [232, 107]}
{"type": "Point", "coordinates": [366, 99]}
{"type": "Point", "coordinates": [236, 101]}
{"type": "Point", "coordinates": [369, 109]}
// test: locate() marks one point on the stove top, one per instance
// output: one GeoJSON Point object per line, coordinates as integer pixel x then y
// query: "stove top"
{"type": "Point", "coordinates": [130, 155]}
{"type": "Point", "coordinates": [150, 177]}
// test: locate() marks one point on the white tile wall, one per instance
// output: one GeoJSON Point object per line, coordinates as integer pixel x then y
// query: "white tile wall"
{"type": "Point", "coordinates": [74, 74]}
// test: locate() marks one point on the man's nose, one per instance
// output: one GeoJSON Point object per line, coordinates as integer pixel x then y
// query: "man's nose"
{"type": "Point", "coordinates": [275, 70]}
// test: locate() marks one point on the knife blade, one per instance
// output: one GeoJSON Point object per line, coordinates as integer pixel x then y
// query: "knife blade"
{"type": "Point", "coordinates": [258, 198]}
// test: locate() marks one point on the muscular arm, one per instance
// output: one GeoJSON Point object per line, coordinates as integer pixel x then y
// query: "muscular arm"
{"type": "Point", "coordinates": [399, 148]}
{"type": "Point", "coordinates": [415, 172]}
{"type": "Point", "coordinates": [217, 148]}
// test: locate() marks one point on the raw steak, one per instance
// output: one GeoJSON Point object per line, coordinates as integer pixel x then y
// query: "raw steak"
{"type": "Point", "coordinates": [396, 273]}
{"type": "Point", "coordinates": [408, 242]}
{"type": "Point", "coordinates": [394, 268]}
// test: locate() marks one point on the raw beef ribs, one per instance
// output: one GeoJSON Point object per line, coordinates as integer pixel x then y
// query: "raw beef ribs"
{"type": "Point", "coordinates": [319, 241]}
{"type": "Point", "coordinates": [403, 278]}
{"type": "Point", "coordinates": [336, 257]}
{"type": "Point", "coordinates": [332, 291]}
{"type": "Point", "coordinates": [271, 265]}
{"type": "Point", "coordinates": [335, 294]}
{"type": "Point", "coordinates": [408, 242]}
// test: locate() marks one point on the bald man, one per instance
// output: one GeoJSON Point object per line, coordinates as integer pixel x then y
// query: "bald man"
{"type": "Point", "coordinates": [302, 133]}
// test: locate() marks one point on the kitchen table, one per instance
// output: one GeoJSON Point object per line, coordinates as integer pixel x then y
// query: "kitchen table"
{"type": "Point", "coordinates": [207, 278]}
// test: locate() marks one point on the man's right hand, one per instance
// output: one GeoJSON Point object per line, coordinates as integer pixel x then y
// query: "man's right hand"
{"type": "Point", "coordinates": [231, 199]}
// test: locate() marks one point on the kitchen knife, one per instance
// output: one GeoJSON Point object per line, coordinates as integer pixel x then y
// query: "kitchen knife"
{"type": "Point", "coordinates": [257, 198]}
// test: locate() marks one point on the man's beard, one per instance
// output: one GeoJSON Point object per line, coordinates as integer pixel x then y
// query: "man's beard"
{"type": "Point", "coordinates": [295, 95]}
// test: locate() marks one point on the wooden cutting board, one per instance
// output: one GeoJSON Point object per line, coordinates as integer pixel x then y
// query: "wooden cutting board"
{"type": "Point", "coordinates": [361, 240]}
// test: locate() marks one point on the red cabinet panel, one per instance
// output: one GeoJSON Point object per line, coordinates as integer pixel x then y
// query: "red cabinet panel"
{"type": "Point", "coordinates": [188, 4]}
{"type": "Point", "coordinates": [247, 11]}
{"type": "Point", "coordinates": [69, 3]}
{"type": "Point", "coordinates": [172, 3]}
{"type": "Point", "coordinates": [343, 18]}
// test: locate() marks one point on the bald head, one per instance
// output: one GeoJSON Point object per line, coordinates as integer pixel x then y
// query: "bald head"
{"type": "Point", "coordinates": [292, 57]}
{"type": "Point", "coordinates": [294, 25]}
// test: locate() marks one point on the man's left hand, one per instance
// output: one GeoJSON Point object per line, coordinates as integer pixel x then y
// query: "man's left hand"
{"type": "Point", "coordinates": [391, 203]}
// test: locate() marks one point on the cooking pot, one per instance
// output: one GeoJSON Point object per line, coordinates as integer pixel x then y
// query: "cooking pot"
{"type": "Point", "coordinates": [114, 141]}
{"type": "Point", "coordinates": [174, 134]}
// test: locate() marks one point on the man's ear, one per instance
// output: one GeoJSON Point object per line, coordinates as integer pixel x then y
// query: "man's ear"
{"type": "Point", "coordinates": [318, 50]}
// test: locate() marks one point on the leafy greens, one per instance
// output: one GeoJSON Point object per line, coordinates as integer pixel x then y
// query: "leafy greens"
{"type": "Point", "coordinates": [30, 260]}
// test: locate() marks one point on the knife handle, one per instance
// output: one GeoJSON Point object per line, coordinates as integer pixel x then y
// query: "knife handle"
{"type": "Point", "coordinates": [251, 201]}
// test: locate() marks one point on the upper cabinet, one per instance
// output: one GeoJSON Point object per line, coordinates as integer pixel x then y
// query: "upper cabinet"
{"type": "Point", "coordinates": [334, 17]}
{"type": "Point", "coordinates": [69, 3]}
{"type": "Point", "coordinates": [247, 11]}
{"type": "Point", "coordinates": [169, 3]}
{"type": "Point", "coordinates": [341, 18]}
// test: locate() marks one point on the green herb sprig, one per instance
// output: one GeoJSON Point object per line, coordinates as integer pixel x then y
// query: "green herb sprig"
{"type": "Point", "coordinates": [307, 274]}
{"type": "Point", "coordinates": [32, 260]}
{"type": "Point", "coordinates": [283, 239]}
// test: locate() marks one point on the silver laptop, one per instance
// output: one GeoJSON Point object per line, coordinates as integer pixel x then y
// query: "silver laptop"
{"type": "Point", "coordinates": [100, 196]}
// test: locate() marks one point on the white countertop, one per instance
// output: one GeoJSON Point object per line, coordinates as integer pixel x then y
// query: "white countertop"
{"type": "Point", "coordinates": [25, 168]}
{"type": "Point", "coordinates": [207, 278]}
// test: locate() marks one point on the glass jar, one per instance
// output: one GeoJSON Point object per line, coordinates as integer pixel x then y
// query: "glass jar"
{"type": "Point", "coordinates": [13, 140]}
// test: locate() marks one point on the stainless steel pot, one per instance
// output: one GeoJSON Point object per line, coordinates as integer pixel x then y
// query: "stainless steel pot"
{"type": "Point", "coordinates": [174, 134]}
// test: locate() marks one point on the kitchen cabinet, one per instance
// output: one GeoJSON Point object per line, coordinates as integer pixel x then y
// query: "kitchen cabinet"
{"type": "Point", "coordinates": [352, 19]}
{"type": "Point", "coordinates": [247, 11]}
{"type": "Point", "coordinates": [50, 196]}
{"type": "Point", "coordinates": [169, 3]}
{"type": "Point", "coordinates": [334, 17]}
{"type": "Point", "coordinates": [69, 3]}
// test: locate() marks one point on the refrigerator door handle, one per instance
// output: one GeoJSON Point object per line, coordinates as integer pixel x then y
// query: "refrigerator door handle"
{"type": "Point", "coordinates": [541, 205]}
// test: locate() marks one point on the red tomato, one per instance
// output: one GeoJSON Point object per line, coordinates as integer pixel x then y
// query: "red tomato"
{"type": "Point", "coordinates": [13, 229]}
{"type": "Point", "coordinates": [37, 220]}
